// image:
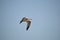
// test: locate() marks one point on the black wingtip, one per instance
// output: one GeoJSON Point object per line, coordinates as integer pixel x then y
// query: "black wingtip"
{"type": "Point", "coordinates": [27, 29]}
{"type": "Point", "coordinates": [20, 22]}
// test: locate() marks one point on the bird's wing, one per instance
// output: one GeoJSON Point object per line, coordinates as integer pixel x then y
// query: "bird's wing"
{"type": "Point", "coordinates": [21, 20]}
{"type": "Point", "coordinates": [28, 24]}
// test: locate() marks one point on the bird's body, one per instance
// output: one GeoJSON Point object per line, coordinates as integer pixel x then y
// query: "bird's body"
{"type": "Point", "coordinates": [27, 20]}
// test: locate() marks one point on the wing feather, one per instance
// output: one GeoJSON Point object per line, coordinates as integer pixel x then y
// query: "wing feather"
{"type": "Point", "coordinates": [28, 24]}
{"type": "Point", "coordinates": [22, 20]}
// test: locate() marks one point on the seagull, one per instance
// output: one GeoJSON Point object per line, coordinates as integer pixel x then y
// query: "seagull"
{"type": "Point", "coordinates": [27, 20]}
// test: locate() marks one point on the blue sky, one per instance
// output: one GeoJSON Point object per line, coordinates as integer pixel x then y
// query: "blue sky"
{"type": "Point", "coordinates": [45, 15]}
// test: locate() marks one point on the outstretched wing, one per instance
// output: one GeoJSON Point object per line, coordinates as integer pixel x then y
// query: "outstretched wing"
{"type": "Point", "coordinates": [28, 24]}
{"type": "Point", "coordinates": [21, 21]}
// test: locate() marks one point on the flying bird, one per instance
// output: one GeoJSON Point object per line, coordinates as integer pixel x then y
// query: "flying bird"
{"type": "Point", "coordinates": [27, 20]}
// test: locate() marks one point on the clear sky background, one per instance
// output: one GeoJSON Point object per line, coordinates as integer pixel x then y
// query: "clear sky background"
{"type": "Point", "coordinates": [45, 15]}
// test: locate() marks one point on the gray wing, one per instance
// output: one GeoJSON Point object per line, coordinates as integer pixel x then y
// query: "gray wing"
{"type": "Point", "coordinates": [28, 25]}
